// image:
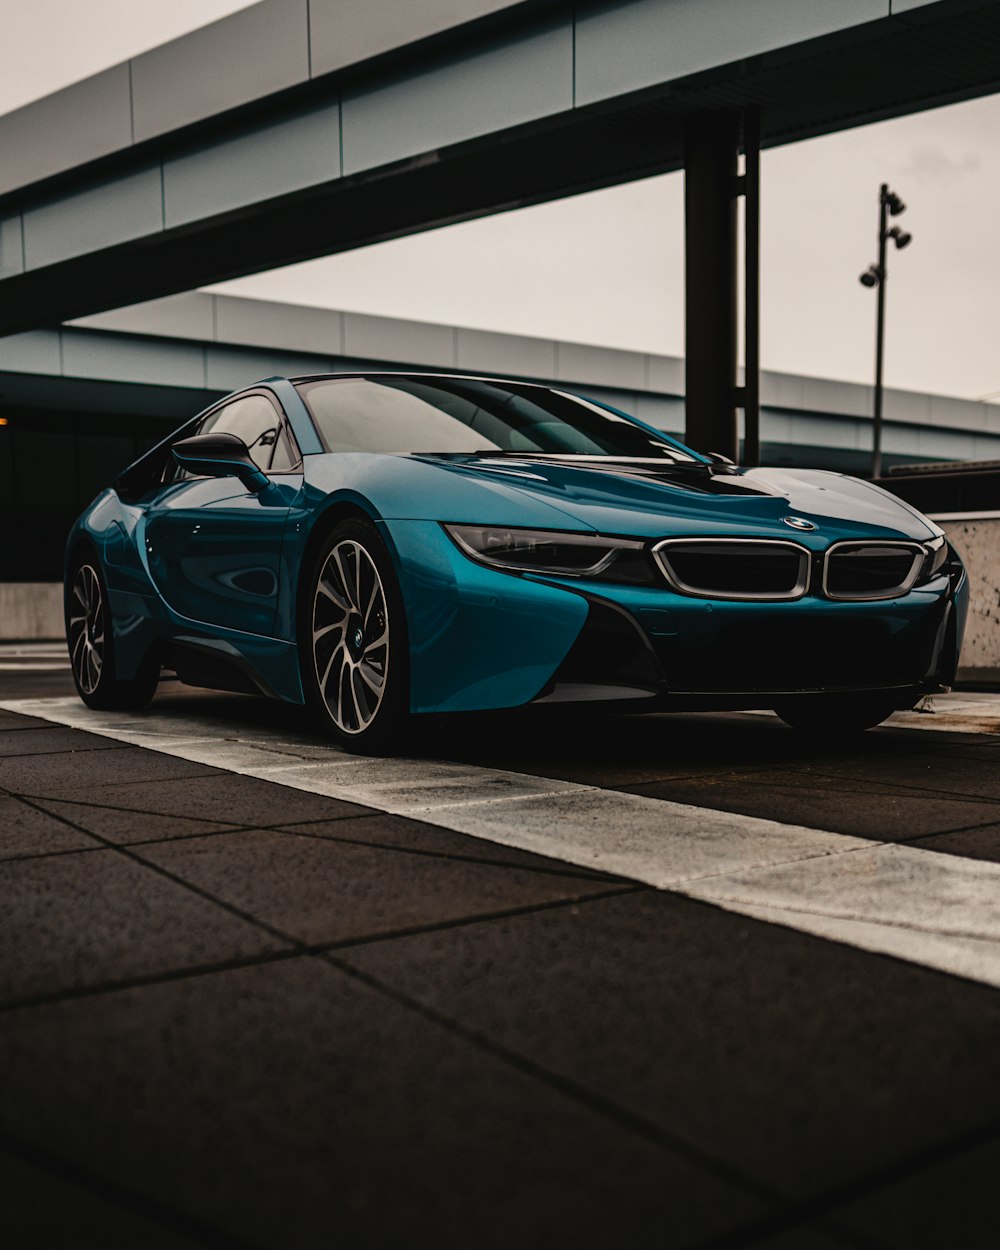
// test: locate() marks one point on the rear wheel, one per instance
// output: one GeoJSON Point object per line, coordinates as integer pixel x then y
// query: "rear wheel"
{"type": "Point", "coordinates": [353, 642]}
{"type": "Point", "coordinates": [90, 638]}
{"type": "Point", "coordinates": [836, 714]}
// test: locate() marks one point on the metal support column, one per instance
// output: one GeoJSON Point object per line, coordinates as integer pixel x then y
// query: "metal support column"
{"type": "Point", "coordinates": [883, 209]}
{"type": "Point", "coordinates": [711, 146]}
{"type": "Point", "coordinates": [751, 302]}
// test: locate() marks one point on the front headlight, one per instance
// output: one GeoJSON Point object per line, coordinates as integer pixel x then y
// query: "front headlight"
{"type": "Point", "coordinates": [551, 551]}
{"type": "Point", "coordinates": [934, 561]}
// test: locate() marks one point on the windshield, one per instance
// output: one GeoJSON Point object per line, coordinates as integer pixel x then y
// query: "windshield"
{"type": "Point", "coordinates": [413, 415]}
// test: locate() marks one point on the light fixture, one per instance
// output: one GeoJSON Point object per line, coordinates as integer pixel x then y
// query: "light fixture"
{"type": "Point", "coordinates": [889, 205]}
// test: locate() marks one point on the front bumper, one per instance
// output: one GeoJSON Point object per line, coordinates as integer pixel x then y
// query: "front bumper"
{"type": "Point", "coordinates": [740, 655]}
{"type": "Point", "coordinates": [481, 638]}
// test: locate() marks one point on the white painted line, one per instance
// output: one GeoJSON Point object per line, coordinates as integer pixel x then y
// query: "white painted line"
{"type": "Point", "coordinates": [34, 648]}
{"type": "Point", "coordinates": [954, 713]}
{"type": "Point", "coordinates": [938, 910]}
{"type": "Point", "coordinates": [964, 516]}
{"type": "Point", "coordinates": [35, 666]}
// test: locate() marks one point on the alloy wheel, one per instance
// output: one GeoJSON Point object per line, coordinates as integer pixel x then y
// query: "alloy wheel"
{"type": "Point", "coordinates": [86, 629]}
{"type": "Point", "coordinates": [350, 637]}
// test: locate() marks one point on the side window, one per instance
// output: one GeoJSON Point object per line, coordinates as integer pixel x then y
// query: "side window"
{"type": "Point", "coordinates": [286, 453]}
{"type": "Point", "coordinates": [255, 420]}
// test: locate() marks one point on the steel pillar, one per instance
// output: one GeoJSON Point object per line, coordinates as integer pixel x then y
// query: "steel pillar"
{"type": "Point", "coordinates": [751, 289]}
{"type": "Point", "coordinates": [711, 149]}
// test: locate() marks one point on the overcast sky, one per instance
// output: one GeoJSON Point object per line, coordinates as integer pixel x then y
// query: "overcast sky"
{"type": "Point", "coordinates": [608, 267]}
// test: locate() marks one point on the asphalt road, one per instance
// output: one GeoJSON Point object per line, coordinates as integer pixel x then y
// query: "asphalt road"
{"type": "Point", "coordinates": [257, 993]}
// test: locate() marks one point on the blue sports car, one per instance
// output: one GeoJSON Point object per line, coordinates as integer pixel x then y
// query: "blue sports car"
{"type": "Point", "coordinates": [383, 545]}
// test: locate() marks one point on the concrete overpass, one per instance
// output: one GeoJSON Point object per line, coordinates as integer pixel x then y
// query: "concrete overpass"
{"type": "Point", "coordinates": [298, 128]}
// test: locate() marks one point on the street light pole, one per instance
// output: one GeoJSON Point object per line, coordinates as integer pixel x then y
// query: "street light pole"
{"type": "Point", "coordinates": [883, 211]}
{"type": "Point", "coordinates": [889, 204]}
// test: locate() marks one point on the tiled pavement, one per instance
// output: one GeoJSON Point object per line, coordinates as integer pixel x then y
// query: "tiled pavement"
{"type": "Point", "coordinates": [235, 1014]}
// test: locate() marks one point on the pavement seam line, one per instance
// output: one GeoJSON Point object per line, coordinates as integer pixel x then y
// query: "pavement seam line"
{"type": "Point", "coordinates": [70, 850]}
{"type": "Point", "coordinates": [446, 855]}
{"type": "Point", "coordinates": [922, 790]}
{"type": "Point", "coordinates": [285, 828]}
{"type": "Point", "coordinates": [608, 1107]}
{"type": "Point", "coordinates": [825, 1203]}
{"type": "Point", "coordinates": [943, 833]}
{"type": "Point", "coordinates": [821, 914]}
{"type": "Point", "coordinates": [464, 922]}
{"type": "Point", "coordinates": [298, 945]}
{"type": "Point", "coordinates": [55, 998]}
{"type": "Point", "coordinates": [171, 1219]}
{"type": "Point", "coordinates": [123, 850]}
{"type": "Point", "coordinates": [141, 811]}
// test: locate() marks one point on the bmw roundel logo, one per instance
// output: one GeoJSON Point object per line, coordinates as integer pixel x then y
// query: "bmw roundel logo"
{"type": "Point", "coordinates": [798, 523]}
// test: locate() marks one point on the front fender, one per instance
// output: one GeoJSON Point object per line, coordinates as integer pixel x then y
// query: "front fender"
{"type": "Point", "coordinates": [479, 639]}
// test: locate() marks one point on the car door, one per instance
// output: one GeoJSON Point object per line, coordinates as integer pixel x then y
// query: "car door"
{"type": "Point", "coordinates": [213, 547]}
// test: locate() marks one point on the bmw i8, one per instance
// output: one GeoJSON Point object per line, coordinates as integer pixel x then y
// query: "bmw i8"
{"type": "Point", "coordinates": [385, 545]}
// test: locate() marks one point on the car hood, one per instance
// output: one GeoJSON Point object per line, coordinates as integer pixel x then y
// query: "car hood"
{"type": "Point", "coordinates": [650, 499]}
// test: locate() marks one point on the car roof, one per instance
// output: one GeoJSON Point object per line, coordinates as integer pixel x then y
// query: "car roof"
{"type": "Point", "coordinates": [412, 373]}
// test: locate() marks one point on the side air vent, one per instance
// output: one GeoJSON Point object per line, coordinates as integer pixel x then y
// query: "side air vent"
{"type": "Point", "coordinates": [868, 570]}
{"type": "Point", "coordinates": [734, 568]}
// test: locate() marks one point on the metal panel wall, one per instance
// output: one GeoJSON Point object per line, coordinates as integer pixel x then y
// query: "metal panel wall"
{"type": "Point", "coordinates": [512, 355]}
{"type": "Point", "coordinates": [63, 130]}
{"type": "Point", "coordinates": [109, 213]}
{"type": "Point", "coordinates": [298, 329]}
{"type": "Point", "coordinates": [252, 53]}
{"type": "Point", "coordinates": [787, 390]}
{"type": "Point", "coordinates": [577, 362]}
{"type": "Point", "coordinates": [268, 161]}
{"type": "Point", "coordinates": [344, 32]}
{"type": "Point", "coordinates": [98, 355]}
{"type": "Point", "coordinates": [187, 316]}
{"type": "Point", "coordinates": [409, 342]}
{"type": "Point", "coordinates": [11, 246]}
{"type": "Point", "coordinates": [457, 98]}
{"type": "Point", "coordinates": [228, 369]}
{"type": "Point", "coordinates": [37, 351]}
{"type": "Point", "coordinates": [631, 44]}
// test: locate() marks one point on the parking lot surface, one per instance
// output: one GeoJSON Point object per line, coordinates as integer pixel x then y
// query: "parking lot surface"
{"type": "Point", "coordinates": [592, 981]}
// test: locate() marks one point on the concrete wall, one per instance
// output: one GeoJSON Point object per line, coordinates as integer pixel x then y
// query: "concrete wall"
{"type": "Point", "coordinates": [976, 537]}
{"type": "Point", "coordinates": [31, 610]}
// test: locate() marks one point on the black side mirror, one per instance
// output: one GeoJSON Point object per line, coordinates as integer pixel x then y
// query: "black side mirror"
{"type": "Point", "coordinates": [219, 455]}
{"type": "Point", "coordinates": [720, 463]}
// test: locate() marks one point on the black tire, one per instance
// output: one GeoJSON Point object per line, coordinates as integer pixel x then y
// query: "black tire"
{"type": "Point", "coordinates": [91, 643]}
{"type": "Point", "coordinates": [836, 715]}
{"type": "Point", "coordinates": [353, 643]}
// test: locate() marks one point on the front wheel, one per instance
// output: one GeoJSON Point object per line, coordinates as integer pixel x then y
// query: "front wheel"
{"type": "Point", "coordinates": [90, 638]}
{"type": "Point", "coordinates": [836, 714]}
{"type": "Point", "coordinates": [352, 641]}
